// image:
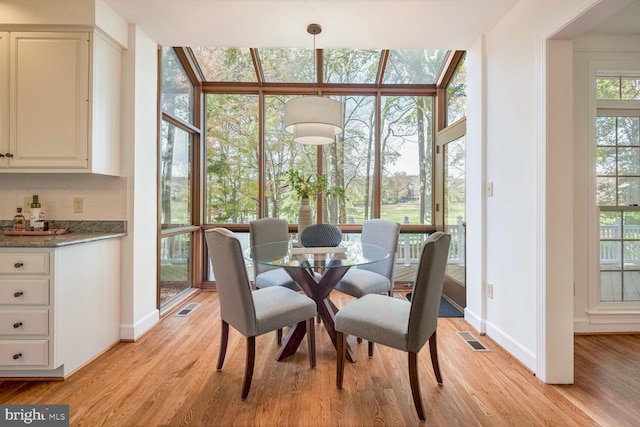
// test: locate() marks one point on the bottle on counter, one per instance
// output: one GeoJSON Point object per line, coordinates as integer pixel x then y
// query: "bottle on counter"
{"type": "Point", "coordinates": [37, 216]}
{"type": "Point", "coordinates": [19, 221]}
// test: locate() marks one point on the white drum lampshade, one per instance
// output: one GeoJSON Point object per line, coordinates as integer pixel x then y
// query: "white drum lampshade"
{"type": "Point", "coordinates": [313, 119]}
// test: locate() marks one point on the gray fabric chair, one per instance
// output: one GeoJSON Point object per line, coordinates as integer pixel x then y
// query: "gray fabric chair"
{"type": "Point", "coordinates": [398, 323]}
{"type": "Point", "coordinates": [377, 277]}
{"type": "Point", "coordinates": [253, 313]}
{"type": "Point", "coordinates": [270, 230]}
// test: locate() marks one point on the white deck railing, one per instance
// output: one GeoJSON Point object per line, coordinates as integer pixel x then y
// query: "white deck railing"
{"type": "Point", "coordinates": [611, 248]}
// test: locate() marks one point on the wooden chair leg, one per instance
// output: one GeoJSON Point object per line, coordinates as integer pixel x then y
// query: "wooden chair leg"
{"type": "Point", "coordinates": [370, 349]}
{"type": "Point", "coordinates": [248, 369]}
{"type": "Point", "coordinates": [433, 349]}
{"type": "Point", "coordinates": [279, 337]}
{"type": "Point", "coordinates": [311, 341]}
{"type": "Point", "coordinates": [341, 350]}
{"type": "Point", "coordinates": [224, 338]}
{"type": "Point", "coordinates": [415, 385]}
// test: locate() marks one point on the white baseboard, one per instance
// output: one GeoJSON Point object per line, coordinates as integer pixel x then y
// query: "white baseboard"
{"type": "Point", "coordinates": [135, 331]}
{"type": "Point", "coordinates": [524, 355]}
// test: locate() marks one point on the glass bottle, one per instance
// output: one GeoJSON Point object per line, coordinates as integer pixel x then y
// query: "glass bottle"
{"type": "Point", "coordinates": [35, 212]}
{"type": "Point", "coordinates": [18, 221]}
{"type": "Point", "coordinates": [35, 203]}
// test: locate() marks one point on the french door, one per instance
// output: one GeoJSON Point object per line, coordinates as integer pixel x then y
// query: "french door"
{"type": "Point", "coordinates": [452, 147]}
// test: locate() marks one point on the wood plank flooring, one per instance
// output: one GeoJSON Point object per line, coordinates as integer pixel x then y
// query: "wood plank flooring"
{"type": "Point", "coordinates": [168, 378]}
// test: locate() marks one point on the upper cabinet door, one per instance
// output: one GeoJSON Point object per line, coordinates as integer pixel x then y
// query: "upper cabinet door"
{"type": "Point", "coordinates": [49, 97]}
{"type": "Point", "coordinates": [4, 99]}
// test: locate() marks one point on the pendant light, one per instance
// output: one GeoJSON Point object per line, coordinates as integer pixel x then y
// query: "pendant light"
{"type": "Point", "coordinates": [313, 119]}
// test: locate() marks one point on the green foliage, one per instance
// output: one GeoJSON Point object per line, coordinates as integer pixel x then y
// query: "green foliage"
{"type": "Point", "coordinates": [305, 186]}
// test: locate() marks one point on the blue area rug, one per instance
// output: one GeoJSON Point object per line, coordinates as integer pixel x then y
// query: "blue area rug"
{"type": "Point", "coordinates": [446, 309]}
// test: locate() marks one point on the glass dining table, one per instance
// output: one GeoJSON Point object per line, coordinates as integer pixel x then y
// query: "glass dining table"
{"type": "Point", "coordinates": [301, 264]}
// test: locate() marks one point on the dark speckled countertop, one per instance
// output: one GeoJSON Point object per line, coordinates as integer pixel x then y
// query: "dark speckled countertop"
{"type": "Point", "coordinates": [77, 232]}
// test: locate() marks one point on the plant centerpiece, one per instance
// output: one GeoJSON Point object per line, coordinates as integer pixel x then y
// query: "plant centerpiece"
{"type": "Point", "coordinates": [306, 186]}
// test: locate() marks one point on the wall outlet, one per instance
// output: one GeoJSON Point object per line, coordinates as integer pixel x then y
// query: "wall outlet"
{"type": "Point", "coordinates": [490, 290]}
{"type": "Point", "coordinates": [78, 205]}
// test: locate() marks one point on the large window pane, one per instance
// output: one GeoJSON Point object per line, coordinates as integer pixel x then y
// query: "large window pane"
{"type": "Point", "coordinates": [176, 90]}
{"type": "Point", "coordinates": [349, 164]}
{"type": "Point", "coordinates": [457, 94]}
{"type": "Point", "coordinates": [351, 65]}
{"type": "Point", "coordinates": [225, 64]}
{"type": "Point", "coordinates": [414, 66]}
{"type": "Point", "coordinates": [407, 141]}
{"type": "Point", "coordinates": [287, 65]}
{"type": "Point", "coordinates": [175, 176]}
{"type": "Point", "coordinates": [231, 177]}
{"type": "Point", "coordinates": [175, 266]}
{"type": "Point", "coordinates": [281, 155]}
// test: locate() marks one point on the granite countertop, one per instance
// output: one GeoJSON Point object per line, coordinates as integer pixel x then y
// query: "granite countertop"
{"type": "Point", "coordinates": [77, 232]}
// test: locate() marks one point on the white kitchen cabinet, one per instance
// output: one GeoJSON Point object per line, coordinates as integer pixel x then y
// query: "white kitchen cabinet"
{"type": "Point", "coordinates": [4, 98]}
{"type": "Point", "coordinates": [64, 103]}
{"type": "Point", "coordinates": [59, 308]}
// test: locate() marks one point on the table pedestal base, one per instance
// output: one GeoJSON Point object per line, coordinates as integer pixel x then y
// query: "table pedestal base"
{"type": "Point", "coordinates": [319, 292]}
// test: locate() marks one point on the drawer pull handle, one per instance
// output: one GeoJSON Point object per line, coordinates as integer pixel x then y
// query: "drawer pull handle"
{"type": "Point", "coordinates": [17, 325]}
{"type": "Point", "coordinates": [17, 356]}
{"type": "Point", "coordinates": [18, 264]}
{"type": "Point", "coordinates": [18, 294]}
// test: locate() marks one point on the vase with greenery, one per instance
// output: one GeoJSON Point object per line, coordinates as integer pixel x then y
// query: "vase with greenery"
{"type": "Point", "coordinates": [306, 187]}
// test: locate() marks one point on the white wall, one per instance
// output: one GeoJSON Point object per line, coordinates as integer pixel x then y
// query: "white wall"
{"type": "Point", "coordinates": [104, 196]}
{"type": "Point", "coordinates": [139, 163]}
{"type": "Point", "coordinates": [512, 214]}
{"type": "Point", "coordinates": [514, 114]}
{"type": "Point", "coordinates": [475, 311]}
{"type": "Point", "coordinates": [591, 51]}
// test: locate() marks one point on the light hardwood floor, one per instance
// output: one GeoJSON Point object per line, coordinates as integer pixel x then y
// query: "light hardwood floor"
{"type": "Point", "coordinates": [168, 378]}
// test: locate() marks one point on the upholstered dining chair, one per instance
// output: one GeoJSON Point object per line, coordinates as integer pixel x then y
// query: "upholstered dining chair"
{"type": "Point", "coordinates": [401, 324]}
{"type": "Point", "coordinates": [270, 230]}
{"type": "Point", "coordinates": [377, 277]}
{"type": "Point", "coordinates": [252, 313]}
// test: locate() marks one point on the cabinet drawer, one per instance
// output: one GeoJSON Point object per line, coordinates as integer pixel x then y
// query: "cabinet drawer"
{"type": "Point", "coordinates": [24, 291]}
{"type": "Point", "coordinates": [24, 263]}
{"type": "Point", "coordinates": [24, 353]}
{"type": "Point", "coordinates": [24, 322]}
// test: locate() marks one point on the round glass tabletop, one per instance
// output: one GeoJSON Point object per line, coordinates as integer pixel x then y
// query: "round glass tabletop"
{"type": "Point", "coordinates": [285, 254]}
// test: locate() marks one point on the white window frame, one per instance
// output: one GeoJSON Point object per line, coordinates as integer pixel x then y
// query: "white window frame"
{"type": "Point", "coordinates": [605, 311]}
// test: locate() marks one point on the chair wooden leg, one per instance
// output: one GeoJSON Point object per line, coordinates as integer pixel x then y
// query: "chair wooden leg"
{"type": "Point", "coordinates": [433, 349]}
{"type": "Point", "coordinates": [311, 341]}
{"type": "Point", "coordinates": [341, 350]}
{"type": "Point", "coordinates": [248, 369]}
{"type": "Point", "coordinates": [279, 337]}
{"type": "Point", "coordinates": [415, 385]}
{"type": "Point", "coordinates": [370, 349]}
{"type": "Point", "coordinates": [224, 338]}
